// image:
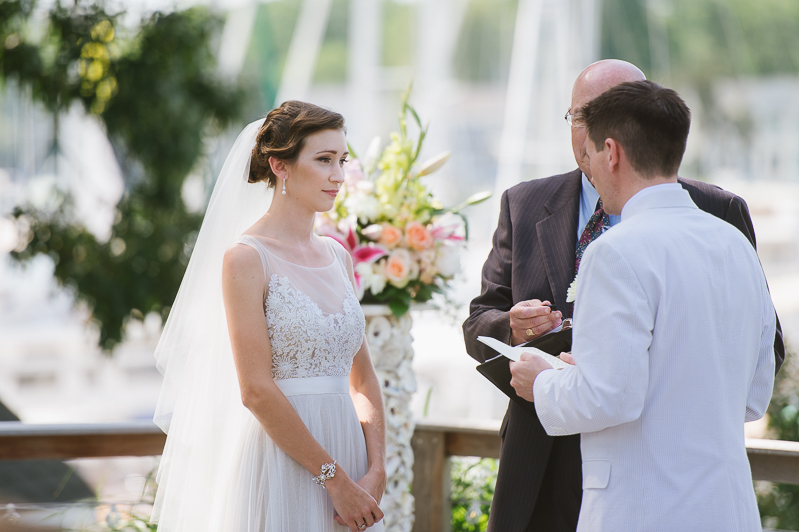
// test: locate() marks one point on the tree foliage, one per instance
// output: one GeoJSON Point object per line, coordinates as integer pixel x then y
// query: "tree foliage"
{"type": "Point", "coordinates": [157, 98]}
{"type": "Point", "coordinates": [472, 489]}
{"type": "Point", "coordinates": [705, 39]}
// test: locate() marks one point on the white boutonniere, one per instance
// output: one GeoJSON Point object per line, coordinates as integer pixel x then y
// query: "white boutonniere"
{"type": "Point", "coordinates": [571, 292]}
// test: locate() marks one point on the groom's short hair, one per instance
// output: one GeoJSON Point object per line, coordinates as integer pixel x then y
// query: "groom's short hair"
{"type": "Point", "coordinates": [649, 121]}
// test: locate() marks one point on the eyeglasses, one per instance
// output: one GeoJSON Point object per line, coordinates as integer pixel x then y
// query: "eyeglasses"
{"type": "Point", "coordinates": [573, 119]}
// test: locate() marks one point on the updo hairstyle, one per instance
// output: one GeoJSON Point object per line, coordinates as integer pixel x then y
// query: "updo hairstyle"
{"type": "Point", "coordinates": [283, 134]}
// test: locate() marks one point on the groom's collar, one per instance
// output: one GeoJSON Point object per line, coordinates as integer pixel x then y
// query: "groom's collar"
{"type": "Point", "coordinates": [667, 195]}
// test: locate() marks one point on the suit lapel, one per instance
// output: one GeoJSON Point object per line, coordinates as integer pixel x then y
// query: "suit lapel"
{"type": "Point", "coordinates": [557, 235]}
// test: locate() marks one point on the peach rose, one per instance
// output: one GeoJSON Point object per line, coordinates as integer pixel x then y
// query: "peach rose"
{"type": "Point", "coordinates": [398, 267]}
{"type": "Point", "coordinates": [391, 236]}
{"type": "Point", "coordinates": [418, 237]}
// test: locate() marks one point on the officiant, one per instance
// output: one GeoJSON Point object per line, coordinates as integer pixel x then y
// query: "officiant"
{"type": "Point", "coordinates": [544, 227]}
{"type": "Point", "coordinates": [673, 338]}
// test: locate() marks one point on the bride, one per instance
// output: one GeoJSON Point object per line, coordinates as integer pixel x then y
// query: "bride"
{"type": "Point", "coordinates": [273, 413]}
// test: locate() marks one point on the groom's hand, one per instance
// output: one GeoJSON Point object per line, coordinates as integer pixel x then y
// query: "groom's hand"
{"type": "Point", "coordinates": [568, 358]}
{"type": "Point", "coordinates": [524, 372]}
{"type": "Point", "coordinates": [530, 319]}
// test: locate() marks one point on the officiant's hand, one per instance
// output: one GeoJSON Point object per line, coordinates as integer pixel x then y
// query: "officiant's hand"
{"type": "Point", "coordinates": [530, 319]}
{"type": "Point", "coordinates": [524, 372]}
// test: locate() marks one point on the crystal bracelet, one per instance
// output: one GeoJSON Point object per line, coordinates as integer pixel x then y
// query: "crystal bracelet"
{"type": "Point", "coordinates": [328, 471]}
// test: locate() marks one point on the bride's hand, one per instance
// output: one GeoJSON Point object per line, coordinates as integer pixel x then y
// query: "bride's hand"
{"type": "Point", "coordinates": [354, 505]}
{"type": "Point", "coordinates": [374, 483]}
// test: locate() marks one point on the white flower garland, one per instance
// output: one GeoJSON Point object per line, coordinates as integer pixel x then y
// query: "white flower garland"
{"type": "Point", "coordinates": [391, 348]}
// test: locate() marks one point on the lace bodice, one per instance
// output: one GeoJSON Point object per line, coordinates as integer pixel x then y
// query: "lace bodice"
{"type": "Point", "coordinates": [314, 319]}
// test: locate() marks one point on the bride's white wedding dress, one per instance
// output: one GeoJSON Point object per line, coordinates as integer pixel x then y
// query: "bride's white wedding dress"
{"type": "Point", "coordinates": [220, 472]}
{"type": "Point", "coordinates": [316, 326]}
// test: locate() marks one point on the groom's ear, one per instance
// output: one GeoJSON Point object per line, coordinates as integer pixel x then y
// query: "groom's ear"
{"type": "Point", "coordinates": [614, 152]}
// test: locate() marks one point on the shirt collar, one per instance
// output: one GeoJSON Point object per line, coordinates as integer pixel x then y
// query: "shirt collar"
{"type": "Point", "coordinates": [663, 195]}
{"type": "Point", "coordinates": [590, 195]}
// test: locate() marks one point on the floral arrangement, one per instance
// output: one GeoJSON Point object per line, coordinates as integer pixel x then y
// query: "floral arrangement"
{"type": "Point", "coordinates": [404, 245]}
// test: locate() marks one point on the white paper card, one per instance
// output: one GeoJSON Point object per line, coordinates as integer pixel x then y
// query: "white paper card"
{"type": "Point", "coordinates": [514, 353]}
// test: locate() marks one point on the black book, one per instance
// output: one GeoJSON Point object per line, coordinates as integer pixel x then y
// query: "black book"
{"type": "Point", "coordinates": [497, 369]}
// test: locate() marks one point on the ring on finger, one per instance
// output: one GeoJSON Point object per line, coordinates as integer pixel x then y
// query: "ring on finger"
{"type": "Point", "coordinates": [361, 527]}
{"type": "Point", "coordinates": [529, 332]}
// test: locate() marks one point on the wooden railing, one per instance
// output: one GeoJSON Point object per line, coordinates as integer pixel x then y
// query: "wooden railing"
{"type": "Point", "coordinates": [20, 441]}
{"type": "Point", "coordinates": [433, 445]}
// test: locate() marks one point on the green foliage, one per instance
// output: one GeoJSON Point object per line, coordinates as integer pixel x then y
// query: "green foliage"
{"type": "Point", "coordinates": [274, 25]}
{"type": "Point", "coordinates": [472, 489]}
{"type": "Point", "coordinates": [73, 60]}
{"type": "Point", "coordinates": [706, 39]}
{"type": "Point", "coordinates": [331, 65]}
{"type": "Point", "coordinates": [157, 99]}
{"type": "Point", "coordinates": [399, 28]}
{"type": "Point", "coordinates": [624, 32]}
{"type": "Point", "coordinates": [486, 40]}
{"type": "Point", "coordinates": [779, 503]}
{"type": "Point", "coordinates": [722, 38]}
{"type": "Point", "coordinates": [167, 99]}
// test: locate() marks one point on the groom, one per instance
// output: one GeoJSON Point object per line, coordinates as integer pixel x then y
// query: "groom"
{"type": "Point", "coordinates": [673, 338]}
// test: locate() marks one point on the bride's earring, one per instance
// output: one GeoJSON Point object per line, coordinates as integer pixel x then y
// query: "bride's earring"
{"type": "Point", "coordinates": [284, 185]}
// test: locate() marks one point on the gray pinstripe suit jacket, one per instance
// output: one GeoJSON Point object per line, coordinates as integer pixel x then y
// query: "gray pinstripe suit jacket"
{"type": "Point", "coordinates": [539, 487]}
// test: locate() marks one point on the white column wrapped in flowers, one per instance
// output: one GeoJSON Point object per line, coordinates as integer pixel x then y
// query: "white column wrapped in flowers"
{"type": "Point", "coordinates": [390, 344]}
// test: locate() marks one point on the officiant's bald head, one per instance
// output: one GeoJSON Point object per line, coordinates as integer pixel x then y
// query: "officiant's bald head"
{"type": "Point", "coordinates": [593, 81]}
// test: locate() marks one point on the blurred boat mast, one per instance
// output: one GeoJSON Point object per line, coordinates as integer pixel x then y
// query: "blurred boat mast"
{"type": "Point", "coordinates": [553, 41]}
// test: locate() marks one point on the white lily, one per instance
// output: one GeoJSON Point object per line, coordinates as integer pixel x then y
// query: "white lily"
{"type": "Point", "coordinates": [370, 158]}
{"type": "Point", "coordinates": [434, 164]}
{"type": "Point", "coordinates": [372, 232]}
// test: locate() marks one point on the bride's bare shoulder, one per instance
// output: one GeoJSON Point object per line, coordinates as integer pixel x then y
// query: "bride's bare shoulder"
{"type": "Point", "coordinates": [243, 282]}
{"type": "Point", "coordinates": [241, 259]}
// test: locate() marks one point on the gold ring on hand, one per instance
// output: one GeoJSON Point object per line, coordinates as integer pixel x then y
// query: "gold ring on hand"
{"type": "Point", "coordinates": [529, 332]}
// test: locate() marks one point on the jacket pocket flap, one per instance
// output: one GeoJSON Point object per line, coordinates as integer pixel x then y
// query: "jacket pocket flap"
{"type": "Point", "coordinates": [596, 474]}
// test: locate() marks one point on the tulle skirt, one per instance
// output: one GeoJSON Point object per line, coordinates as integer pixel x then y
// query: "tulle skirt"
{"type": "Point", "coordinates": [270, 491]}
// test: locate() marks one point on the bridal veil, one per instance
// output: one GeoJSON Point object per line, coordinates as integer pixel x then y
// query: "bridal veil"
{"type": "Point", "coordinates": [200, 406]}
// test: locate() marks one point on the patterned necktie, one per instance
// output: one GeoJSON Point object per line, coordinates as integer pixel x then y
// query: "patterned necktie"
{"type": "Point", "coordinates": [596, 224]}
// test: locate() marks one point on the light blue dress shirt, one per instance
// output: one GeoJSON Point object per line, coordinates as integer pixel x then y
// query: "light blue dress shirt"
{"type": "Point", "coordinates": [588, 199]}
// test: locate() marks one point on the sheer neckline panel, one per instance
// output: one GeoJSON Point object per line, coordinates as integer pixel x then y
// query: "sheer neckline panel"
{"type": "Point", "coordinates": [278, 257]}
